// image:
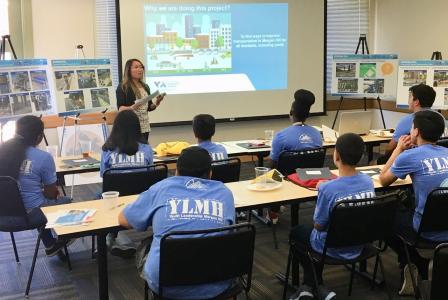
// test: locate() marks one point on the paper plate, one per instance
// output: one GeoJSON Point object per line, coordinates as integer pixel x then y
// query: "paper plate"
{"type": "Point", "coordinates": [264, 188]}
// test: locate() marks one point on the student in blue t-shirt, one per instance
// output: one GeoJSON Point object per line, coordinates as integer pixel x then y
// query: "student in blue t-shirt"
{"type": "Point", "coordinates": [421, 97]}
{"type": "Point", "coordinates": [427, 166]}
{"type": "Point", "coordinates": [298, 136]}
{"type": "Point", "coordinates": [204, 129]}
{"type": "Point", "coordinates": [36, 173]}
{"type": "Point", "coordinates": [349, 185]}
{"type": "Point", "coordinates": [125, 147]}
{"type": "Point", "coordinates": [187, 201]}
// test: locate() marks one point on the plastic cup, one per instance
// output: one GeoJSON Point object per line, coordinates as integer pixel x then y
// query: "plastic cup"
{"type": "Point", "coordinates": [110, 199]}
{"type": "Point", "coordinates": [53, 150]}
{"type": "Point", "coordinates": [260, 173]}
{"type": "Point", "coordinates": [268, 135]}
{"type": "Point", "coordinates": [86, 147]}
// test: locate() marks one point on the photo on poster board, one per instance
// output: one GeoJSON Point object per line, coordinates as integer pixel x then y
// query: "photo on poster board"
{"type": "Point", "coordinates": [430, 72]}
{"type": "Point", "coordinates": [365, 75]}
{"type": "Point", "coordinates": [25, 88]}
{"type": "Point", "coordinates": [83, 85]}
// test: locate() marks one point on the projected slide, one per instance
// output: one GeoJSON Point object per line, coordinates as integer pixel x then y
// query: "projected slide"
{"type": "Point", "coordinates": [216, 48]}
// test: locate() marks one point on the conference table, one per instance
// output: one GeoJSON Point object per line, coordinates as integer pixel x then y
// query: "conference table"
{"type": "Point", "coordinates": [233, 148]}
{"type": "Point", "coordinates": [106, 219]}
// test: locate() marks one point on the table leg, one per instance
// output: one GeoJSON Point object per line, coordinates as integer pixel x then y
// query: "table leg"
{"type": "Point", "coordinates": [369, 153]}
{"type": "Point", "coordinates": [103, 288]}
{"type": "Point", "coordinates": [260, 160]}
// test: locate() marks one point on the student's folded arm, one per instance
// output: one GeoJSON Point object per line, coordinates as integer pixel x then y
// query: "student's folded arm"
{"type": "Point", "coordinates": [391, 146]}
{"type": "Point", "coordinates": [387, 178]}
{"type": "Point", "coordinates": [51, 191]}
{"type": "Point", "coordinates": [123, 221]}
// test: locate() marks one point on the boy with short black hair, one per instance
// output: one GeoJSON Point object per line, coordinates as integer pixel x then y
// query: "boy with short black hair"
{"type": "Point", "coordinates": [427, 165]}
{"type": "Point", "coordinates": [204, 129]}
{"type": "Point", "coordinates": [421, 97]}
{"type": "Point", "coordinates": [187, 201]}
{"type": "Point", "coordinates": [349, 185]}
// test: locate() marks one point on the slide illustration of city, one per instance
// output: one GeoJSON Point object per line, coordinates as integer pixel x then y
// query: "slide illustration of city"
{"type": "Point", "coordinates": [191, 49]}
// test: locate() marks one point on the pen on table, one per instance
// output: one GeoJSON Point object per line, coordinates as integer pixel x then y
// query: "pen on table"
{"type": "Point", "coordinates": [119, 205]}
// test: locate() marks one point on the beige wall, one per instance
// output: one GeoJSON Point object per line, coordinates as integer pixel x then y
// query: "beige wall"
{"type": "Point", "coordinates": [411, 28]}
{"type": "Point", "coordinates": [58, 26]}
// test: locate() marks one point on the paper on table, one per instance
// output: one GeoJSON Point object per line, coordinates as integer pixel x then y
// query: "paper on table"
{"type": "Point", "coordinates": [147, 98]}
{"type": "Point", "coordinates": [313, 172]}
{"type": "Point", "coordinates": [368, 172]}
{"type": "Point", "coordinates": [69, 217]}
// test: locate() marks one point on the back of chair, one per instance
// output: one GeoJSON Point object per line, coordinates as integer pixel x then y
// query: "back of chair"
{"type": "Point", "coordinates": [443, 142]}
{"type": "Point", "coordinates": [289, 161]}
{"type": "Point", "coordinates": [133, 180]}
{"type": "Point", "coordinates": [434, 215]}
{"type": "Point", "coordinates": [226, 170]}
{"type": "Point", "coordinates": [358, 222]}
{"type": "Point", "coordinates": [439, 273]}
{"type": "Point", "coordinates": [209, 256]}
{"type": "Point", "coordinates": [11, 204]}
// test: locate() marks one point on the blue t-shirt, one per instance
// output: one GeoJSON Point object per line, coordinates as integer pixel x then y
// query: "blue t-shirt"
{"type": "Point", "coordinates": [295, 137]}
{"type": "Point", "coordinates": [428, 167]}
{"type": "Point", "coordinates": [403, 127]}
{"type": "Point", "coordinates": [359, 186]}
{"type": "Point", "coordinates": [113, 159]}
{"type": "Point", "coordinates": [181, 203]}
{"type": "Point", "coordinates": [37, 169]}
{"type": "Point", "coordinates": [217, 152]}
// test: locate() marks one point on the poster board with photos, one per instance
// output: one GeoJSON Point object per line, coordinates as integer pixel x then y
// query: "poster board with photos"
{"type": "Point", "coordinates": [25, 88]}
{"type": "Point", "coordinates": [430, 72]}
{"type": "Point", "coordinates": [365, 75]}
{"type": "Point", "coordinates": [83, 85]}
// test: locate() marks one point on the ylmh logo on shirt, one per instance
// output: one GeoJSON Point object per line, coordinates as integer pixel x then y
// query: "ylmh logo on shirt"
{"type": "Point", "coordinates": [194, 209]}
{"type": "Point", "coordinates": [26, 168]}
{"type": "Point", "coordinates": [436, 165]}
{"type": "Point", "coordinates": [358, 196]}
{"type": "Point", "coordinates": [195, 184]}
{"type": "Point", "coordinates": [120, 159]}
{"type": "Point", "coordinates": [305, 138]}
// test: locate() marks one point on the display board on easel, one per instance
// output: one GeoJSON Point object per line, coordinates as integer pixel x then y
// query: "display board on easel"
{"type": "Point", "coordinates": [83, 85]}
{"type": "Point", "coordinates": [430, 72]}
{"type": "Point", "coordinates": [365, 75]}
{"type": "Point", "coordinates": [25, 88]}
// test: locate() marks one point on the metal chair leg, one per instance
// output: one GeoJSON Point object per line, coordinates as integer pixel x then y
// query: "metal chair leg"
{"type": "Point", "coordinates": [30, 277]}
{"type": "Point", "coordinates": [352, 275]}
{"type": "Point", "coordinates": [69, 264]}
{"type": "Point", "coordinates": [288, 266]}
{"type": "Point", "coordinates": [274, 234]}
{"type": "Point", "coordinates": [389, 294]}
{"type": "Point", "coordinates": [13, 240]}
{"type": "Point", "coordinates": [93, 247]}
{"type": "Point", "coordinates": [316, 282]}
{"type": "Point", "coordinates": [375, 270]}
{"type": "Point", "coordinates": [146, 290]}
{"type": "Point", "coordinates": [414, 280]}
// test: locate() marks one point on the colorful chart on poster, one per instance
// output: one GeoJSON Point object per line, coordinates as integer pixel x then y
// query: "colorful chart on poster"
{"type": "Point", "coordinates": [430, 72]}
{"type": "Point", "coordinates": [369, 76]}
{"type": "Point", "coordinates": [25, 88]}
{"type": "Point", "coordinates": [83, 85]}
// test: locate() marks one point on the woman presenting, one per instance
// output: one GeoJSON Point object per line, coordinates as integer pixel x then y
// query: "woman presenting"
{"type": "Point", "coordinates": [131, 88]}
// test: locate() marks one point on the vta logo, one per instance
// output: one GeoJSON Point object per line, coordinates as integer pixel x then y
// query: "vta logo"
{"type": "Point", "coordinates": [160, 84]}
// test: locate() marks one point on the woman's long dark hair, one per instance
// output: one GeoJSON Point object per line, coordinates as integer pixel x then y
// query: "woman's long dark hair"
{"type": "Point", "coordinates": [29, 132]}
{"type": "Point", "coordinates": [126, 134]}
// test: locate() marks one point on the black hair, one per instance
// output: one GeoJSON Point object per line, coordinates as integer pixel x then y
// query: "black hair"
{"type": "Point", "coordinates": [195, 162]}
{"type": "Point", "coordinates": [350, 147]}
{"type": "Point", "coordinates": [425, 94]}
{"type": "Point", "coordinates": [204, 126]}
{"type": "Point", "coordinates": [126, 134]}
{"type": "Point", "coordinates": [29, 133]}
{"type": "Point", "coordinates": [430, 124]}
{"type": "Point", "coordinates": [300, 108]}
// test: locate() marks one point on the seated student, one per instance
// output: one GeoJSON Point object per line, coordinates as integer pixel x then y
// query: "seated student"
{"type": "Point", "coordinates": [298, 136]}
{"type": "Point", "coordinates": [160, 207]}
{"type": "Point", "coordinates": [427, 168]}
{"type": "Point", "coordinates": [349, 185]}
{"type": "Point", "coordinates": [124, 146]}
{"type": "Point", "coordinates": [36, 173]}
{"type": "Point", "coordinates": [421, 97]}
{"type": "Point", "coordinates": [204, 129]}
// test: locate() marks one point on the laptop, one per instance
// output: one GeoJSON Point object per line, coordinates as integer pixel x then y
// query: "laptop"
{"type": "Point", "coordinates": [358, 122]}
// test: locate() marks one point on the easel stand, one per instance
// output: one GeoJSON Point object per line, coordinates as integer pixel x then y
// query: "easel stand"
{"type": "Point", "coordinates": [6, 38]}
{"type": "Point", "coordinates": [436, 55]}
{"type": "Point", "coordinates": [362, 42]}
